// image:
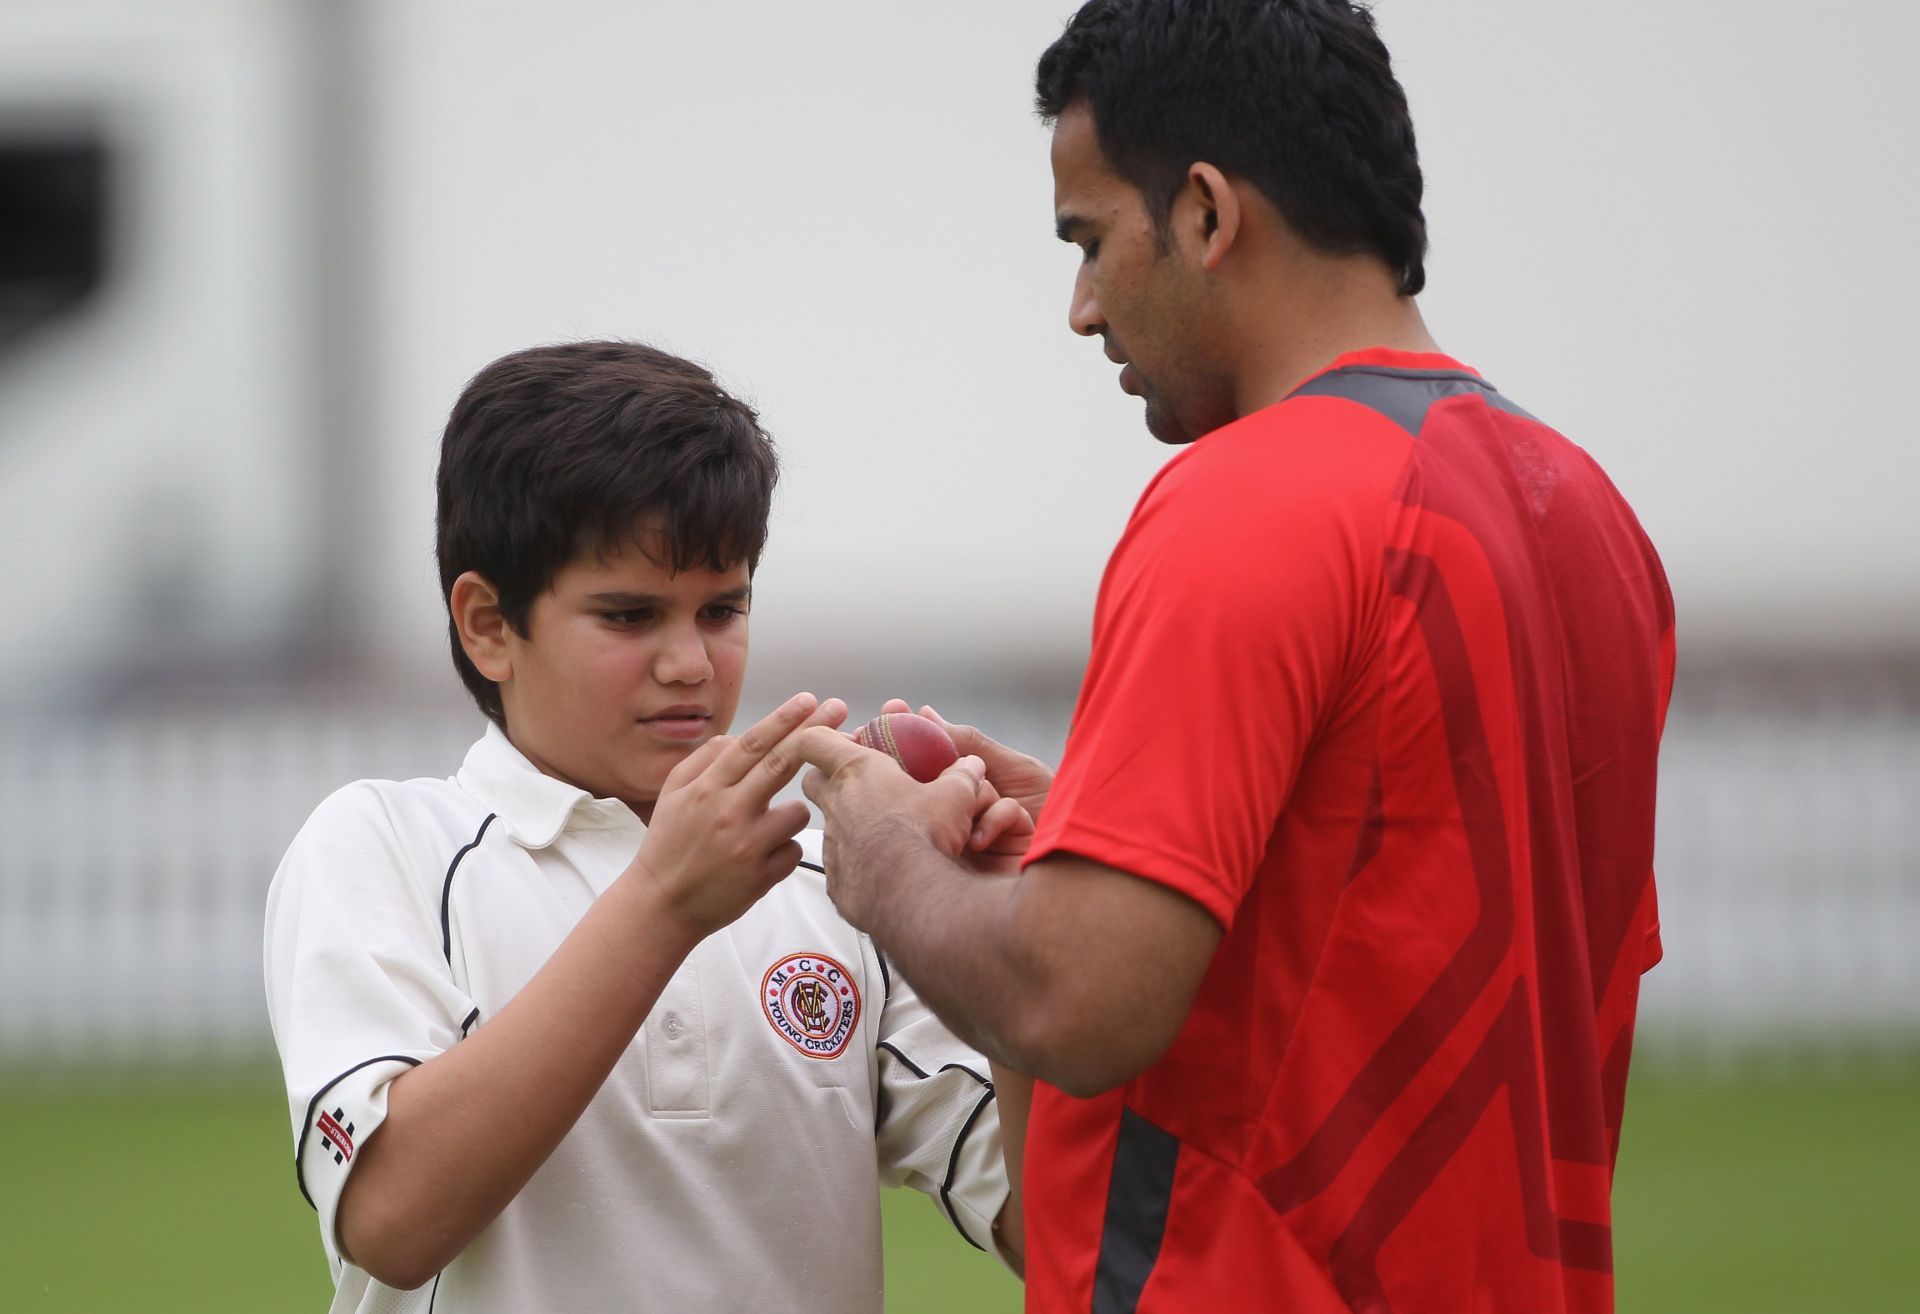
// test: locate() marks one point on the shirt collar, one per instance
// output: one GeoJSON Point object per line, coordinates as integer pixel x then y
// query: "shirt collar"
{"type": "Point", "coordinates": [1388, 358]}
{"type": "Point", "coordinates": [537, 808]}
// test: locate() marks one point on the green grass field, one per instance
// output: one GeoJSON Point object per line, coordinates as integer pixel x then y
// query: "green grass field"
{"type": "Point", "coordinates": [1766, 1195]}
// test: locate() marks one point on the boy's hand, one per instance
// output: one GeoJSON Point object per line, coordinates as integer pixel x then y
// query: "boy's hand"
{"type": "Point", "coordinates": [1025, 780]}
{"type": "Point", "coordinates": [715, 845]}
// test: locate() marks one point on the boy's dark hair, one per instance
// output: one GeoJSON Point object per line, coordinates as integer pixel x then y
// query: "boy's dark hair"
{"type": "Point", "coordinates": [554, 452]}
{"type": "Point", "coordinates": [1296, 96]}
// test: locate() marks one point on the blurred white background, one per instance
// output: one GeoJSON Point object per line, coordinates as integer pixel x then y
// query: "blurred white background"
{"type": "Point", "coordinates": [251, 249]}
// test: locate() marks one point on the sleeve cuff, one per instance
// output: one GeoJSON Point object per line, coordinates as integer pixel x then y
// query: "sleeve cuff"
{"type": "Point", "coordinates": [342, 1114]}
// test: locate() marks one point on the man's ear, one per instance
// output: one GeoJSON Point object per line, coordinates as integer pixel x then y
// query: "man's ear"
{"type": "Point", "coordinates": [475, 608]}
{"type": "Point", "coordinates": [1216, 212]}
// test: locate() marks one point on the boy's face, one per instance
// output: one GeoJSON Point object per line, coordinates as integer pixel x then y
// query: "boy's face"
{"type": "Point", "coordinates": [625, 669]}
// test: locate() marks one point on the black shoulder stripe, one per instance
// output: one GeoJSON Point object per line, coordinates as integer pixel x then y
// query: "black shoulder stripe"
{"type": "Point", "coordinates": [446, 889]}
{"type": "Point", "coordinates": [953, 1160]}
{"type": "Point", "coordinates": [886, 976]}
{"type": "Point", "coordinates": [1403, 396]}
{"type": "Point", "coordinates": [813, 866]}
{"type": "Point", "coordinates": [300, 1142]}
{"type": "Point", "coordinates": [468, 1024]}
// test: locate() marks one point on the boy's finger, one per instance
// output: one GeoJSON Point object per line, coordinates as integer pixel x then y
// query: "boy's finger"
{"type": "Point", "coordinates": [697, 761]}
{"type": "Point", "coordinates": [778, 765]}
{"type": "Point", "coordinates": [895, 705]}
{"type": "Point", "coordinates": [746, 751]}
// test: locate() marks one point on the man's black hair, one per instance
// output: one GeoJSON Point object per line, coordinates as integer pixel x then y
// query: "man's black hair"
{"type": "Point", "coordinates": [1298, 97]}
{"type": "Point", "coordinates": [585, 447]}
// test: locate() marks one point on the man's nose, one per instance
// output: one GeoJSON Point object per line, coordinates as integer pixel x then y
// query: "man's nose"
{"type": "Point", "coordinates": [1084, 315]}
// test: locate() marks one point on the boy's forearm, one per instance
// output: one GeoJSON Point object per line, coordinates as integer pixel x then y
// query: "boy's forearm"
{"type": "Point", "coordinates": [467, 1129]}
{"type": "Point", "coordinates": [1013, 1096]}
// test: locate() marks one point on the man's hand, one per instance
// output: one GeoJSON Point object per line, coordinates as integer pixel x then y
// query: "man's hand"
{"type": "Point", "coordinates": [1025, 780]}
{"type": "Point", "coordinates": [876, 814]}
{"type": "Point", "coordinates": [715, 845]}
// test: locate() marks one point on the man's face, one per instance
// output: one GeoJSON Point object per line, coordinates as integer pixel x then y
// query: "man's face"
{"type": "Point", "coordinates": [1146, 297]}
{"type": "Point", "coordinates": [625, 669]}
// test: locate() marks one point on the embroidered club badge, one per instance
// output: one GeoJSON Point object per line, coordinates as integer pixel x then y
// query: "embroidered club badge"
{"type": "Point", "coordinates": [813, 1003]}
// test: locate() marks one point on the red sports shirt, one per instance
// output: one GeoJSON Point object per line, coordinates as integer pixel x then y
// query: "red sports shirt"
{"type": "Point", "coordinates": [1378, 679]}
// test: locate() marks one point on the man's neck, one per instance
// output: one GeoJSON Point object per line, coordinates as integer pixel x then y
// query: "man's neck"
{"type": "Point", "coordinates": [1350, 308]}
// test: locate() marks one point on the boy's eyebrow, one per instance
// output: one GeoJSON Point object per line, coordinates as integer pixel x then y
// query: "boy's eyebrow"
{"type": "Point", "coordinates": [634, 601]}
{"type": "Point", "coordinates": [1066, 226]}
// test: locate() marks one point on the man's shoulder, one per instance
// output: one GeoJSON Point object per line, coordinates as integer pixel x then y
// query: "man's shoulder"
{"type": "Point", "coordinates": [1290, 454]}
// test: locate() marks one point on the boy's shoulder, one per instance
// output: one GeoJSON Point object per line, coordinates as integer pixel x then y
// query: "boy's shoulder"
{"type": "Point", "coordinates": [387, 826]}
{"type": "Point", "coordinates": [426, 804]}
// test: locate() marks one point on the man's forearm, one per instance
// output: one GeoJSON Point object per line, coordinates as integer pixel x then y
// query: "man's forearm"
{"type": "Point", "coordinates": [955, 933]}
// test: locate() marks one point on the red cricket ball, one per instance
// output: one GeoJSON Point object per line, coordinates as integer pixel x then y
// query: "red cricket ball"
{"type": "Point", "coordinates": [916, 743]}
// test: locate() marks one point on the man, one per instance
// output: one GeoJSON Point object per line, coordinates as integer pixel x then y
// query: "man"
{"type": "Point", "coordinates": [1326, 951]}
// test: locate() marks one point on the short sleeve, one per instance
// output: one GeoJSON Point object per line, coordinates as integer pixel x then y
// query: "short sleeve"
{"type": "Point", "coordinates": [1229, 619]}
{"type": "Point", "coordinates": [358, 987]}
{"type": "Point", "coordinates": [938, 1126]}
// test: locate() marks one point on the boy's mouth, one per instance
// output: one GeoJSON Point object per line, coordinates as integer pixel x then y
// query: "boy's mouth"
{"type": "Point", "coordinates": [687, 722]}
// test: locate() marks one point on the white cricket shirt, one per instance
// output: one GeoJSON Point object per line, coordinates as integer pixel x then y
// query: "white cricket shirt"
{"type": "Point", "coordinates": [734, 1157]}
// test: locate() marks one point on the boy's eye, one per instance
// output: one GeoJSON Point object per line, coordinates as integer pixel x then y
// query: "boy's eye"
{"type": "Point", "coordinates": [724, 612]}
{"type": "Point", "coordinates": [1088, 250]}
{"type": "Point", "coordinates": [634, 617]}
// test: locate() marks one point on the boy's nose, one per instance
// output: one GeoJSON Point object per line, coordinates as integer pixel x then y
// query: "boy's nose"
{"type": "Point", "coordinates": [683, 660]}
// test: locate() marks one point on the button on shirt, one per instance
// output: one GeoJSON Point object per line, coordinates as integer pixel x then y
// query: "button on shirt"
{"type": "Point", "coordinates": [732, 1159]}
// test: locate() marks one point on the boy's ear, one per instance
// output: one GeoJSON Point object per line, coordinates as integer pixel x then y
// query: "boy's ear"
{"type": "Point", "coordinates": [475, 608]}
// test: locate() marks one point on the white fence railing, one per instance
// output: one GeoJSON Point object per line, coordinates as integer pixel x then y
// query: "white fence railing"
{"type": "Point", "coordinates": [135, 855]}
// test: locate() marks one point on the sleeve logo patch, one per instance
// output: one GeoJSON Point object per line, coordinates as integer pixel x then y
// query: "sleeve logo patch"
{"type": "Point", "coordinates": [812, 1001]}
{"type": "Point", "coordinates": [336, 1137]}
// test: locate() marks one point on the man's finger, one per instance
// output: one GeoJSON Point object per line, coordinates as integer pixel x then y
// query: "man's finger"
{"type": "Point", "coordinates": [893, 705]}
{"type": "Point", "coordinates": [813, 784]}
{"type": "Point", "coordinates": [823, 748]}
{"type": "Point", "coordinates": [966, 738]}
{"type": "Point", "coordinates": [1004, 828]}
{"type": "Point", "coordinates": [964, 775]}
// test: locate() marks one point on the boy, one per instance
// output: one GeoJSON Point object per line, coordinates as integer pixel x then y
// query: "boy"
{"type": "Point", "coordinates": [561, 1031]}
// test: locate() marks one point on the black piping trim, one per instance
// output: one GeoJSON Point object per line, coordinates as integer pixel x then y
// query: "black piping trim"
{"type": "Point", "coordinates": [953, 1160]}
{"type": "Point", "coordinates": [912, 1067]}
{"type": "Point", "coordinates": [434, 1299]}
{"type": "Point", "coordinates": [446, 890]}
{"type": "Point", "coordinates": [813, 866]}
{"type": "Point", "coordinates": [468, 1024]}
{"type": "Point", "coordinates": [923, 1074]}
{"type": "Point", "coordinates": [300, 1144]}
{"type": "Point", "coordinates": [886, 977]}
